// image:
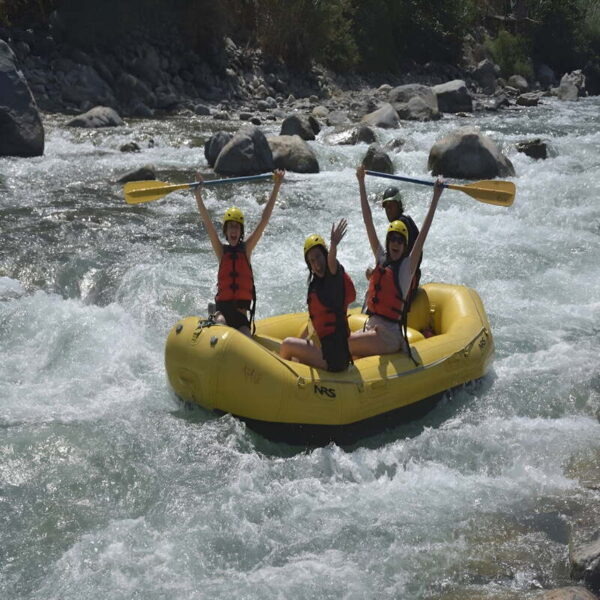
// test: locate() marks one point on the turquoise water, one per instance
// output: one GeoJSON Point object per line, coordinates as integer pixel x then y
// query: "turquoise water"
{"type": "Point", "coordinates": [109, 489]}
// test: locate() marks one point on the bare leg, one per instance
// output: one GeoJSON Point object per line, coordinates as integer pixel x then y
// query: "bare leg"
{"type": "Point", "coordinates": [307, 353]}
{"type": "Point", "coordinates": [368, 343]}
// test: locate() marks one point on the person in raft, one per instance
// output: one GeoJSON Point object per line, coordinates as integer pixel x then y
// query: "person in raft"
{"type": "Point", "coordinates": [390, 282]}
{"type": "Point", "coordinates": [236, 296]}
{"type": "Point", "coordinates": [394, 211]}
{"type": "Point", "coordinates": [330, 291]}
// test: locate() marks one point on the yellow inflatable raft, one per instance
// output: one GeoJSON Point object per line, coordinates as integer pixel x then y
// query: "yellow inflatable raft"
{"type": "Point", "coordinates": [225, 371]}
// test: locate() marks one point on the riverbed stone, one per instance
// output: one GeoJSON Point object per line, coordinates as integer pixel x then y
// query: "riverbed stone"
{"type": "Point", "coordinates": [292, 153]}
{"type": "Point", "coordinates": [567, 593]}
{"type": "Point", "coordinates": [468, 154]}
{"type": "Point", "coordinates": [376, 159]}
{"type": "Point", "coordinates": [297, 125]}
{"type": "Point", "coordinates": [142, 174]}
{"type": "Point", "coordinates": [384, 117]}
{"type": "Point", "coordinates": [21, 128]}
{"type": "Point", "coordinates": [415, 102]}
{"type": "Point", "coordinates": [247, 153]}
{"type": "Point", "coordinates": [99, 116]}
{"type": "Point", "coordinates": [585, 564]}
{"type": "Point", "coordinates": [453, 97]}
{"type": "Point", "coordinates": [214, 145]}
{"type": "Point", "coordinates": [535, 148]}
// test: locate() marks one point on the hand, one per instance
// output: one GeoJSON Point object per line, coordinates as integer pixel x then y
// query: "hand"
{"type": "Point", "coordinates": [338, 232]}
{"type": "Point", "coordinates": [360, 174]}
{"type": "Point", "coordinates": [199, 177]}
{"type": "Point", "coordinates": [368, 273]}
{"type": "Point", "coordinates": [278, 176]}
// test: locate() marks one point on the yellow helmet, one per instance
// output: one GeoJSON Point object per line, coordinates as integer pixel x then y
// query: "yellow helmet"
{"type": "Point", "coordinates": [233, 214]}
{"type": "Point", "coordinates": [312, 241]}
{"type": "Point", "coordinates": [398, 227]}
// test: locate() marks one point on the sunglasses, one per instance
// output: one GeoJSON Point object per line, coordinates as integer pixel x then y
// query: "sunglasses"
{"type": "Point", "coordinates": [396, 238]}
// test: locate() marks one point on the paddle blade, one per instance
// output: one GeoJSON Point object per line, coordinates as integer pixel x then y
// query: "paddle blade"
{"type": "Point", "coordinates": [500, 193]}
{"type": "Point", "coordinates": [137, 192]}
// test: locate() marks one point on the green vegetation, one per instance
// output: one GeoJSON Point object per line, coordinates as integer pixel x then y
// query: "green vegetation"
{"type": "Point", "coordinates": [511, 54]}
{"type": "Point", "coordinates": [346, 35]}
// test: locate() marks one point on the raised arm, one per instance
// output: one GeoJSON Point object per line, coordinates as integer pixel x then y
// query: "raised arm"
{"type": "Point", "coordinates": [210, 228]}
{"type": "Point", "coordinates": [337, 233]}
{"type": "Point", "coordinates": [420, 241]}
{"type": "Point", "coordinates": [253, 238]}
{"type": "Point", "coordinates": [366, 213]}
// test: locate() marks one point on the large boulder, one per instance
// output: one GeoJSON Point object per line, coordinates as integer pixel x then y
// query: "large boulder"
{"type": "Point", "coordinates": [585, 564]}
{"type": "Point", "coordinates": [376, 159]}
{"type": "Point", "coordinates": [247, 153]}
{"type": "Point", "coordinates": [214, 145]}
{"type": "Point", "coordinates": [572, 85]}
{"type": "Point", "coordinates": [415, 102]}
{"type": "Point", "coordinates": [298, 125]}
{"type": "Point", "coordinates": [99, 116]}
{"type": "Point", "coordinates": [292, 153]}
{"type": "Point", "coordinates": [385, 117]}
{"type": "Point", "coordinates": [486, 75]}
{"type": "Point", "coordinates": [21, 128]}
{"type": "Point", "coordinates": [468, 154]}
{"type": "Point", "coordinates": [453, 97]}
{"type": "Point", "coordinates": [567, 593]}
{"type": "Point", "coordinates": [361, 134]}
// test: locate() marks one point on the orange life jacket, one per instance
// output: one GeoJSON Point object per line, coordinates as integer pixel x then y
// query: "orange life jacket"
{"type": "Point", "coordinates": [235, 280]}
{"type": "Point", "coordinates": [384, 297]}
{"type": "Point", "coordinates": [327, 306]}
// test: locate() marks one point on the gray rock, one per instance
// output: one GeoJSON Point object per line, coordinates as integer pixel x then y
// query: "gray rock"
{"type": "Point", "coordinates": [518, 82]}
{"type": "Point", "coordinates": [82, 83]}
{"type": "Point", "coordinates": [337, 118]}
{"type": "Point", "coordinates": [214, 145]}
{"type": "Point", "coordinates": [385, 117]}
{"type": "Point", "coordinates": [528, 99]}
{"type": "Point", "coordinates": [297, 125]}
{"type": "Point", "coordinates": [415, 102]}
{"type": "Point", "coordinates": [141, 174]}
{"type": "Point", "coordinates": [360, 134]}
{"type": "Point", "coordinates": [247, 153]}
{"type": "Point", "coordinates": [567, 91]}
{"type": "Point", "coordinates": [202, 110]}
{"type": "Point", "coordinates": [99, 116]}
{"type": "Point", "coordinates": [567, 593]}
{"type": "Point", "coordinates": [21, 128]}
{"type": "Point", "coordinates": [130, 147]}
{"type": "Point", "coordinates": [292, 153]}
{"type": "Point", "coordinates": [453, 97]}
{"type": "Point", "coordinates": [585, 564]}
{"type": "Point", "coordinates": [485, 75]}
{"type": "Point", "coordinates": [377, 160]}
{"type": "Point", "coordinates": [534, 148]}
{"type": "Point", "coordinates": [468, 154]}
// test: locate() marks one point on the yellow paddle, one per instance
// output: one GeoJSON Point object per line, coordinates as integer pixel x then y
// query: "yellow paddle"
{"type": "Point", "coordinates": [137, 192]}
{"type": "Point", "coordinates": [500, 193]}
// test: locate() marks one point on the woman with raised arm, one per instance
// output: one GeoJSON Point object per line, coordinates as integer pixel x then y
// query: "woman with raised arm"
{"type": "Point", "coordinates": [389, 284]}
{"type": "Point", "coordinates": [235, 284]}
{"type": "Point", "coordinates": [330, 291]}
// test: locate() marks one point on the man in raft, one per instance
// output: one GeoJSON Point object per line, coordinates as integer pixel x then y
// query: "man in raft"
{"type": "Point", "coordinates": [390, 282]}
{"type": "Point", "coordinates": [236, 295]}
{"type": "Point", "coordinates": [330, 291]}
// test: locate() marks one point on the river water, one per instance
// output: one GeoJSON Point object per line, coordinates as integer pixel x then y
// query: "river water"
{"type": "Point", "coordinates": [110, 489]}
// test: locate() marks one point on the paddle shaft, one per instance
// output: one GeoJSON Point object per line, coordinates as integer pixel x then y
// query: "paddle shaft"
{"type": "Point", "coordinates": [231, 180]}
{"type": "Point", "coordinates": [402, 178]}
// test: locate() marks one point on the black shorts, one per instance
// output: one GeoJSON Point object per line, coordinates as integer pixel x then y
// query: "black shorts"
{"type": "Point", "coordinates": [336, 352]}
{"type": "Point", "coordinates": [233, 317]}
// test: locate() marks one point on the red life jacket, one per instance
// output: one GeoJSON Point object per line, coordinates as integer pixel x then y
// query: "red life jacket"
{"type": "Point", "coordinates": [326, 306]}
{"type": "Point", "coordinates": [235, 280]}
{"type": "Point", "coordinates": [384, 297]}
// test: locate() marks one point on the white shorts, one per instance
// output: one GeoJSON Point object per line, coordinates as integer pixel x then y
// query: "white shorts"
{"type": "Point", "coordinates": [388, 332]}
